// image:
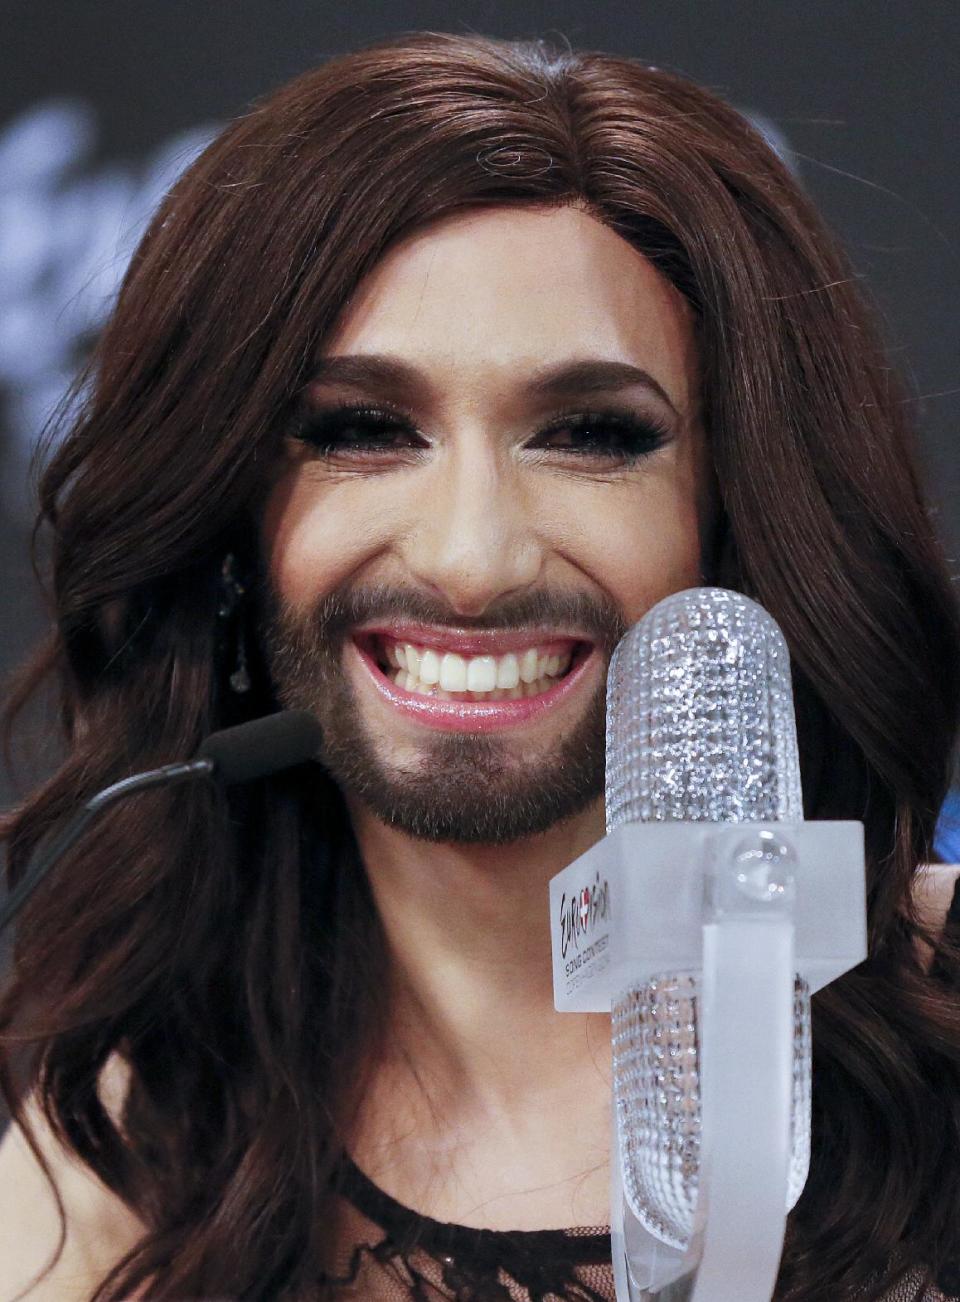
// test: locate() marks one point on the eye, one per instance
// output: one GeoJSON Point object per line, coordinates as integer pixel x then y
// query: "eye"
{"type": "Point", "coordinates": [614, 435]}
{"type": "Point", "coordinates": [357, 431]}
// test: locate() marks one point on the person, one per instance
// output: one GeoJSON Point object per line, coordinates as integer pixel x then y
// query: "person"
{"type": "Point", "coordinates": [433, 373]}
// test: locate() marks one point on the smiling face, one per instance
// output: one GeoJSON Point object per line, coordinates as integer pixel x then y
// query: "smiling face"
{"type": "Point", "coordinates": [516, 475]}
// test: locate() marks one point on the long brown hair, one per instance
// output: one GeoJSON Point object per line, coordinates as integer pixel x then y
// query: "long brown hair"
{"type": "Point", "coordinates": [209, 938]}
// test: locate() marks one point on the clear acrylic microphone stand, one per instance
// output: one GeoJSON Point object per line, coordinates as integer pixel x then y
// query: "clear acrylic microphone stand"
{"type": "Point", "coordinates": [747, 908]}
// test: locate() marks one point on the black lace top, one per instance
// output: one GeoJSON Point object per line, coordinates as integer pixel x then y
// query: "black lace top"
{"type": "Point", "coordinates": [401, 1256]}
{"type": "Point", "coordinates": [398, 1255]}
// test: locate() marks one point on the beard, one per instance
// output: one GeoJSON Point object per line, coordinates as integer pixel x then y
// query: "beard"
{"type": "Point", "coordinates": [466, 787]}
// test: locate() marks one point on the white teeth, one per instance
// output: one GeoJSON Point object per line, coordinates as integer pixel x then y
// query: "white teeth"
{"type": "Point", "coordinates": [482, 677]}
{"type": "Point", "coordinates": [410, 684]}
{"type": "Point", "coordinates": [528, 665]}
{"type": "Point", "coordinates": [508, 670]}
{"type": "Point", "coordinates": [429, 668]}
{"type": "Point", "coordinates": [453, 673]}
{"type": "Point", "coordinates": [481, 674]}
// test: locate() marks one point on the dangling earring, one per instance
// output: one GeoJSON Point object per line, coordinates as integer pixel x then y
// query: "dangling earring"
{"type": "Point", "coordinates": [229, 609]}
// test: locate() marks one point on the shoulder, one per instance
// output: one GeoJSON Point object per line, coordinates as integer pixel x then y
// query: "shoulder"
{"type": "Point", "coordinates": [100, 1229]}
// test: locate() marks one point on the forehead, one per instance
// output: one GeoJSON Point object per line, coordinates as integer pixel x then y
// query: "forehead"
{"type": "Point", "coordinates": [481, 296]}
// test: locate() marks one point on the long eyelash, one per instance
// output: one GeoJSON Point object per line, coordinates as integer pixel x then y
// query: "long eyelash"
{"type": "Point", "coordinates": [318, 427]}
{"type": "Point", "coordinates": [641, 435]}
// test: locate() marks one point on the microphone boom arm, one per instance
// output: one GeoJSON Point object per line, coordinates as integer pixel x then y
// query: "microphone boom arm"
{"type": "Point", "coordinates": [70, 833]}
{"type": "Point", "coordinates": [241, 753]}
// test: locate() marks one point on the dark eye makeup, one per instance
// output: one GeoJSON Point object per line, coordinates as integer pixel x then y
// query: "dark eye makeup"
{"type": "Point", "coordinates": [366, 433]}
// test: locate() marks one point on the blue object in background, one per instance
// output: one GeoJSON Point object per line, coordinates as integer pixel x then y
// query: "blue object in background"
{"type": "Point", "coordinates": [946, 839]}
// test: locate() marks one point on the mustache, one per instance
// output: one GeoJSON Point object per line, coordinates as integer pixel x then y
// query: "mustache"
{"type": "Point", "coordinates": [344, 607]}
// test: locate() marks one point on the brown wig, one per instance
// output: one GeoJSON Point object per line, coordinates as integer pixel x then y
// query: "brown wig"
{"type": "Point", "coordinates": [227, 945]}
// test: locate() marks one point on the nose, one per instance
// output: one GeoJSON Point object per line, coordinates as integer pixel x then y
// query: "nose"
{"type": "Point", "coordinates": [474, 537]}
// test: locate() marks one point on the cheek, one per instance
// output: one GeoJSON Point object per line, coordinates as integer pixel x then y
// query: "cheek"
{"type": "Point", "coordinates": [665, 551]}
{"type": "Point", "coordinates": [312, 536]}
{"type": "Point", "coordinates": [640, 542]}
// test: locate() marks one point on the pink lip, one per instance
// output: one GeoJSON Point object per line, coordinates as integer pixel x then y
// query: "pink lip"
{"type": "Point", "coordinates": [473, 716]}
{"type": "Point", "coordinates": [479, 642]}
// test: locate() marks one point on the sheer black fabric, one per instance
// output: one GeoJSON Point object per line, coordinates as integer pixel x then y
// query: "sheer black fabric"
{"type": "Point", "coordinates": [392, 1254]}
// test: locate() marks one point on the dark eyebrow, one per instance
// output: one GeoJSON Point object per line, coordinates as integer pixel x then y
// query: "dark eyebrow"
{"type": "Point", "coordinates": [571, 379]}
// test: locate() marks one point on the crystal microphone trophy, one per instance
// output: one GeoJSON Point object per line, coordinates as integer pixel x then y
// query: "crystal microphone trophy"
{"type": "Point", "coordinates": [703, 921]}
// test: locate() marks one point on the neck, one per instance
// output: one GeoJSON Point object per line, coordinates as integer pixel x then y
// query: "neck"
{"type": "Point", "coordinates": [478, 1082]}
{"type": "Point", "coordinates": [469, 951]}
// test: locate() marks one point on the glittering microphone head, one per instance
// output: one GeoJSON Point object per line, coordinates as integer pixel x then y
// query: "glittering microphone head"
{"type": "Point", "coordinates": [700, 728]}
{"type": "Point", "coordinates": [700, 720]}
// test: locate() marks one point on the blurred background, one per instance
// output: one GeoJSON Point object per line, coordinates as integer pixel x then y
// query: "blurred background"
{"type": "Point", "coordinates": [103, 102]}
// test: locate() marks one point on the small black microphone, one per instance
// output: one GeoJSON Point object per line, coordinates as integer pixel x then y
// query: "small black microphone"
{"type": "Point", "coordinates": [262, 746]}
{"type": "Point", "coordinates": [239, 754]}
